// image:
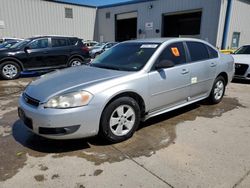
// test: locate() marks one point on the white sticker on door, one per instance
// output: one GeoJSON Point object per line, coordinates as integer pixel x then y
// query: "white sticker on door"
{"type": "Point", "coordinates": [194, 80]}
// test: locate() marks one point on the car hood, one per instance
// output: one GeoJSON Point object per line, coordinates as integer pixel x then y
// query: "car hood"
{"type": "Point", "coordinates": [69, 80]}
{"type": "Point", "coordinates": [245, 59]}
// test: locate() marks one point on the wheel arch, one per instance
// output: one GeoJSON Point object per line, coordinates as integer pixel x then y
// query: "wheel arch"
{"type": "Point", "coordinates": [75, 56]}
{"type": "Point", "coordinates": [138, 98]}
{"type": "Point", "coordinates": [225, 76]}
{"type": "Point", "coordinates": [13, 59]}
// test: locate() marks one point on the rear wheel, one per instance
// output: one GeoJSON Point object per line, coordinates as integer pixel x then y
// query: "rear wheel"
{"type": "Point", "coordinates": [218, 90]}
{"type": "Point", "coordinates": [75, 62]}
{"type": "Point", "coordinates": [120, 119]}
{"type": "Point", "coordinates": [10, 70]}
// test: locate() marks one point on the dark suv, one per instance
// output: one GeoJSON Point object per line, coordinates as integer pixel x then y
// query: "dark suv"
{"type": "Point", "coordinates": [42, 53]}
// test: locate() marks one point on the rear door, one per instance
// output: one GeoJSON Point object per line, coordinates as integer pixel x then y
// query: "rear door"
{"type": "Point", "coordinates": [169, 87]}
{"type": "Point", "coordinates": [59, 52]}
{"type": "Point", "coordinates": [202, 69]}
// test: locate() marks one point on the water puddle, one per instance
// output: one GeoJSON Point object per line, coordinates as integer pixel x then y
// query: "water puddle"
{"type": "Point", "coordinates": [153, 135]}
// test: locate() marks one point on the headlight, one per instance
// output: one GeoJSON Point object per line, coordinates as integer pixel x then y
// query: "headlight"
{"type": "Point", "coordinates": [70, 100]}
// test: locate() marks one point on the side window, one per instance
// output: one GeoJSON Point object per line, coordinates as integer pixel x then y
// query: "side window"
{"type": "Point", "coordinates": [56, 42]}
{"type": "Point", "coordinates": [174, 52]}
{"type": "Point", "coordinates": [108, 46]}
{"type": "Point", "coordinates": [40, 43]}
{"type": "Point", "coordinates": [213, 53]}
{"type": "Point", "coordinates": [72, 41]}
{"type": "Point", "coordinates": [198, 51]}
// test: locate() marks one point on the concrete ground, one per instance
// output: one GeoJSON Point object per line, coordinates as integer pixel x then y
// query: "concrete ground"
{"type": "Point", "coordinates": [196, 146]}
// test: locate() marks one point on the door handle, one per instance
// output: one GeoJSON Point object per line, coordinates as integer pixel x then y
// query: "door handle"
{"type": "Point", "coordinates": [184, 71]}
{"type": "Point", "coordinates": [45, 52]}
{"type": "Point", "coordinates": [212, 64]}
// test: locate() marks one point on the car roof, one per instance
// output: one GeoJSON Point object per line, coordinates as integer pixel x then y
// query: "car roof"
{"type": "Point", "coordinates": [54, 36]}
{"type": "Point", "coordinates": [162, 40]}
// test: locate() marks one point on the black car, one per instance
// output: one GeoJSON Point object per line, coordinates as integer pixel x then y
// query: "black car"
{"type": "Point", "coordinates": [42, 53]}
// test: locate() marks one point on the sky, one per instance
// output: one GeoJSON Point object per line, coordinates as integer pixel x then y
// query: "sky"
{"type": "Point", "coordinates": [95, 2]}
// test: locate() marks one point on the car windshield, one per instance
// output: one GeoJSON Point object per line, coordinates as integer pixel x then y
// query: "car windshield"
{"type": "Point", "coordinates": [126, 56]}
{"type": "Point", "coordinates": [243, 50]}
{"type": "Point", "coordinates": [20, 44]}
{"type": "Point", "coordinates": [4, 44]}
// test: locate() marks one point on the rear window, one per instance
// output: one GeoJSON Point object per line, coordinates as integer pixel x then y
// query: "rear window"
{"type": "Point", "coordinates": [213, 53]}
{"type": "Point", "coordinates": [198, 51]}
{"type": "Point", "coordinates": [58, 42]}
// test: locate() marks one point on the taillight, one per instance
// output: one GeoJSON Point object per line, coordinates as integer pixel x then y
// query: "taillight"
{"type": "Point", "coordinates": [85, 49]}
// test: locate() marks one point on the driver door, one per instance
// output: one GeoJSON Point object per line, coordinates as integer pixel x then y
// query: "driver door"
{"type": "Point", "coordinates": [169, 87]}
{"type": "Point", "coordinates": [37, 54]}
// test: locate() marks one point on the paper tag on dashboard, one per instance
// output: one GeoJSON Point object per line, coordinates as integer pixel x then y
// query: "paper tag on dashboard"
{"type": "Point", "coordinates": [149, 46]}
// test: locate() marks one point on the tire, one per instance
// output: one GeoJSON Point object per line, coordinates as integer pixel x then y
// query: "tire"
{"type": "Point", "coordinates": [217, 91]}
{"type": "Point", "coordinates": [10, 70]}
{"type": "Point", "coordinates": [75, 62]}
{"type": "Point", "coordinates": [120, 119]}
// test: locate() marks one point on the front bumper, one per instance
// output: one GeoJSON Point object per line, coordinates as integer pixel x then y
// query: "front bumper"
{"type": "Point", "coordinates": [242, 71]}
{"type": "Point", "coordinates": [71, 123]}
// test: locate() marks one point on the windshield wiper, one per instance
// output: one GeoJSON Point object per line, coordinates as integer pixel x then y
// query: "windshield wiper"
{"type": "Point", "coordinates": [105, 66]}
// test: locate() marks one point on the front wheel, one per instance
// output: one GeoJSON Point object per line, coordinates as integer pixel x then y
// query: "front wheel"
{"type": "Point", "coordinates": [120, 119]}
{"type": "Point", "coordinates": [218, 90]}
{"type": "Point", "coordinates": [10, 70]}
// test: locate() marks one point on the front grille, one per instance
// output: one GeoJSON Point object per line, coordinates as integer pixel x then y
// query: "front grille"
{"type": "Point", "coordinates": [240, 69]}
{"type": "Point", "coordinates": [31, 100]}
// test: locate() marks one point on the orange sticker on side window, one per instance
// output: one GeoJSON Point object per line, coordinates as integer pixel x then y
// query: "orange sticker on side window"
{"type": "Point", "coordinates": [175, 52]}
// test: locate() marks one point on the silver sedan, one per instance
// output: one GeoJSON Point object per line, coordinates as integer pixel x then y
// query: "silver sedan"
{"type": "Point", "coordinates": [127, 84]}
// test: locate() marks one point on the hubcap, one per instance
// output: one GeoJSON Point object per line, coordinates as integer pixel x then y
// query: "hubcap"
{"type": "Point", "coordinates": [75, 63]}
{"type": "Point", "coordinates": [219, 90]}
{"type": "Point", "coordinates": [122, 120]}
{"type": "Point", "coordinates": [9, 71]}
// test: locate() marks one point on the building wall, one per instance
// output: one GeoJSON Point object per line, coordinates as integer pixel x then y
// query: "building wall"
{"type": "Point", "coordinates": [209, 26]}
{"type": "Point", "coordinates": [240, 22]}
{"type": "Point", "coordinates": [26, 18]}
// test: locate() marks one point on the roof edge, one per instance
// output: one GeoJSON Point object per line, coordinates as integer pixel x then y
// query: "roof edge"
{"type": "Point", "coordinates": [124, 3]}
{"type": "Point", "coordinates": [68, 3]}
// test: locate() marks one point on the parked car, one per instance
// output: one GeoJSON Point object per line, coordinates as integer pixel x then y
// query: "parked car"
{"type": "Point", "coordinates": [101, 47]}
{"type": "Point", "coordinates": [41, 53]}
{"type": "Point", "coordinates": [242, 62]}
{"type": "Point", "coordinates": [90, 44]}
{"type": "Point", "coordinates": [8, 44]}
{"type": "Point", "coordinates": [8, 39]}
{"type": "Point", "coordinates": [132, 82]}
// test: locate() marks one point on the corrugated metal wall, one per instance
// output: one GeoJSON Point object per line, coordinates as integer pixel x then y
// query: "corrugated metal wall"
{"type": "Point", "coordinates": [210, 17]}
{"type": "Point", "coordinates": [240, 22]}
{"type": "Point", "coordinates": [26, 18]}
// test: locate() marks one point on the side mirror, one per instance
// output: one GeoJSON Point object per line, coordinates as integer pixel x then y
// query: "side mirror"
{"type": "Point", "coordinates": [164, 64]}
{"type": "Point", "coordinates": [26, 48]}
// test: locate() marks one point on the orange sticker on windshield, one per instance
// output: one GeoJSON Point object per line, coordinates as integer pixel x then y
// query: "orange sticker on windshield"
{"type": "Point", "coordinates": [175, 52]}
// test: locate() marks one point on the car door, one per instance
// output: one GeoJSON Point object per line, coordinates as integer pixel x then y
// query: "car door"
{"type": "Point", "coordinates": [59, 52]}
{"type": "Point", "coordinates": [169, 87]}
{"type": "Point", "coordinates": [202, 69]}
{"type": "Point", "coordinates": [37, 53]}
